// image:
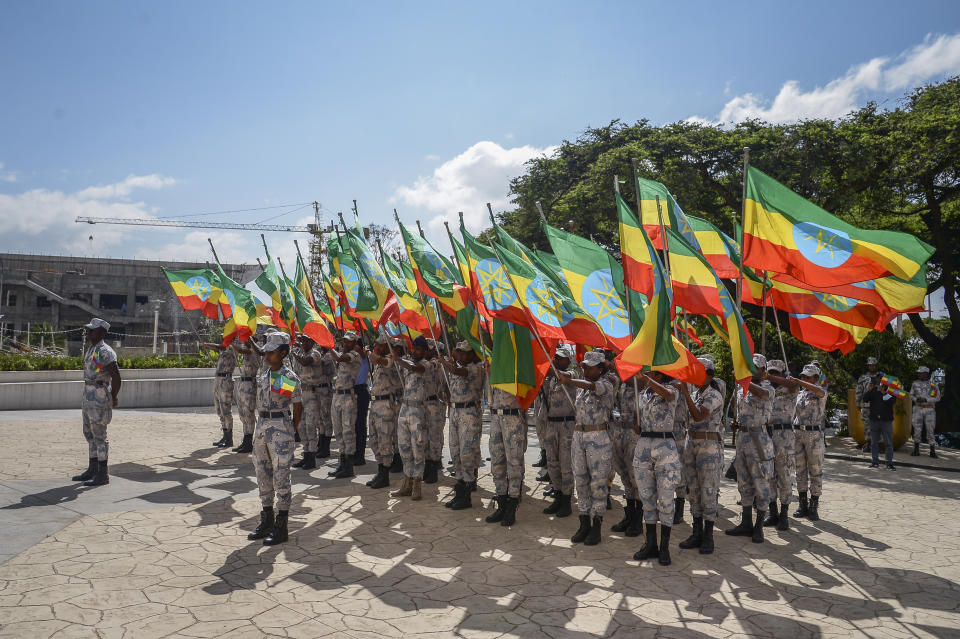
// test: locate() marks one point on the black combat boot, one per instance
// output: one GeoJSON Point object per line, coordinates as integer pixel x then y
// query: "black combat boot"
{"type": "Point", "coordinates": [100, 477]}
{"type": "Point", "coordinates": [227, 439]}
{"type": "Point", "coordinates": [462, 500]}
{"type": "Point", "coordinates": [510, 512]}
{"type": "Point", "coordinates": [543, 475]}
{"type": "Point", "coordinates": [773, 515]}
{"type": "Point", "coordinates": [222, 442]}
{"type": "Point", "coordinates": [933, 452]}
{"type": "Point", "coordinates": [814, 508]}
{"type": "Point", "coordinates": [430, 471]}
{"type": "Point", "coordinates": [696, 537]}
{"type": "Point", "coordinates": [340, 462]}
{"type": "Point", "coordinates": [649, 549]}
{"type": "Point", "coordinates": [783, 523]}
{"type": "Point", "coordinates": [323, 447]}
{"type": "Point", "coordinates": [542, 462]}
{"type": "Point", "coordinates": [457, 488]}
{"type": "Point", "coordinates": [497, 515]}
{"type": "Point", "coordinates": [382, 478]}
{"type": "Point", "coordinates": [802, 509]}
{"type": "Point", "coordinates": [582, 531]}
{"type": "Point", "coordinates": [279, 533]}
{"type": "Point", "coordinates": [635, 527]}
{"type": "Point", "coordinates": [300, 463]}
{"type": "Point", "coordinates": [664, 557]}
{"type": "Point", "coordinates": [678, 510]}
{"type": "Point", "coordinates": [555, 506]}
{"type": "Point", "coordinates": [346, 470]}
{"type": "Point", "coordinates": [359, 459]}
{"type": "Point", "coordinates": [745, 527]}
{"type": "Point", "coordinates": [594, 537]}
{"type": "Point", "coordinates": [706, 546]}
{"type": "Point", "coordinates": [731, 472]}
{"type": "Point", "coordinates": [916, 449]}
{"type": "Point", "coordinates": [265, 526]}
{"type": "Point", "coordinates": [396, 466]}
{"type": "Point", "coordinates": [757, 535]}
{"type": "Point", "coordinates": [246, 446]}
{"type": "Point", "coordinates": [622, 525]}
{"type": "Point", "coordinates": [89, 472]}
{"type": "Point", "coordinates": [309, 461]}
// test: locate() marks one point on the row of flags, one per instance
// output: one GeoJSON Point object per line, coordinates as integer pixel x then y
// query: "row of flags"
{"type": "Point", "coordinates": [514, 304]}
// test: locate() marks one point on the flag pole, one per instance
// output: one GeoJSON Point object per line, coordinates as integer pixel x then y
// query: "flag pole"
{"type": "Point", "coordinates": [533, 328]}
{"type": "Point", "coordinates": [214, 251]}
{"type": "Point", "coordinates": [763, 314]}
{"type": "Point", "coordinates": [743, 216]}
{"type": "Point", "coordinates": [776, 318]}
{"type": "Point", "coordinates": [666, 255]}
{"type": "Point", "coordinates": [626, 290]}
{"type": "Point", "coordinates": [483, 347]}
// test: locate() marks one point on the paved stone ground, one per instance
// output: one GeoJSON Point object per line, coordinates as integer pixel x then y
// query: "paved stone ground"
{"type": "Point", "coordinates": [162, 551]}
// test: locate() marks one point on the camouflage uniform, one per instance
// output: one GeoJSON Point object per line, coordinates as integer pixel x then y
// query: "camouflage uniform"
{"type": "Point", "coordinates": [508, 442]}
{"type": "Point", "coordinates": [97, 403]}
{"type": "Point", "coordinates": [784, 445]}
{"type": "Point", "coordinates": [384, 391]}
{"type": "Point", "coordinates": [924, 395]}
{"type": "Point", "coordinates": [466, 415]}
{"type": "Point", "coordinates": [412, 423]}
{"type": "Point", "coordinates": [436, 412]}
{"type": "Point", "coordinates": [680, 420]}
{"type": "Point", "coordinates": [344, 404]}
{"type": "Point", "coordinates": [559, 417]}
{"type": "Point", "coordinates": [223, 388]}
{"type": "Point", "coordinates": [328, 370]}
{"type": "Point", "coordinates": [623, 440]}
{"type": "Point", "coordinates": [656, 461]}
{"type": "Point", "coordinates": [273, 438]}
{"type": "Point", "coordinates": [247, 390]}
{"type": "Point", "coordinates": [754, 461]}
{"type": "Point", "coordinates": [703, 457]}
{"type": "Point", "coordinates": [311, 381]}
{"type": "Point", "coordinates": [591, 450]}
{"type": "Point", "coordinates": [809, 442]}
{"type": "Point", "coordinates": [863, 383]}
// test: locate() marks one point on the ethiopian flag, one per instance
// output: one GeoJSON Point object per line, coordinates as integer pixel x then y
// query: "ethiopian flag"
{"type": "Point", "coordinates": [718, 247]}
{"type": "Point", "coordinates": [197, 290]}
{"type": "Point", "coordinates": [411, 312]}
{"type": "Point", "coordinates": [309, 321]}
{"type": "Point", "coordinates": [433, 271]}
{"type": "Point", "coordinates": [669, 213]}
{"type": "Point", "coordinates": [281, 384]}
{"type": "Point", "coordinates": [637, 264]}
{"type": "Point", "coordinates": [346, 278]}
{"type": "Point", "coordinates": [491, 285]}
{"type": "Point", "coordinates": [302, 282]}
{"type": "Point", "coordinates": [518, 364]}
{"type": "Point", "coordinates": [785, 233]}
{"type": "Point", "coordinates": [376, 281]}
{"type": "Point", "coordinates": [826, 333]}
{"type": "Point", "coordinates": [694, 282]}
{"type": "Point", "coordinates": [281, 303]}
{"type": "Point", "coordinates": [239, 307]}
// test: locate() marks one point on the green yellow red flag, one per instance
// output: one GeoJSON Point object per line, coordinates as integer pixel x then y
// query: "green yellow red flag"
{"type": "Point", "coordinates": [518, 365]}
{"type": "Point", "coordinates": [239, 306]}
{"type": "Point", "coordinates": [718, 247]}
{"type": "Point", "coordinates": [197, 290]}
{"type": "Point", "coordinates": [826, 333]}
{"type": "Point", "coordinates": [670, 213]}
{"type": "Point", "coordinates": [694, 281]}
{"type": "Point", "coordinates": [492, 288]}
{"type": "Point", "coordinates": [308, 319]}
{"type": "Point", "coordinates": [434, 274]}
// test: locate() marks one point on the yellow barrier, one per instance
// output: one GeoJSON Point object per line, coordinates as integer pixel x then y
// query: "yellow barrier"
{"type": "Point", "coordinates": [901, 420]}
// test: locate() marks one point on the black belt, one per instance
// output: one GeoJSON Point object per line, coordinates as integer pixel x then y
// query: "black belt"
{"type": "Point", "coordinates": [781, 426]}
{"type": "Point", "coordinates": [432, 398]}
{"type": "Point", "coordinates": [466, 404]}
{"type": "Point", "coordinates": [377, 398]}
{"type": "Point", "coordinates": [504, 411]}
{"type": "Point", "coordinates": [246, 379]}
{"type": "Point", "coordinates": [224, 374]}
{"type": "Point", "coordinates": [657, 435]}
{"type": "Point", "coordinates": [566, 418]}
{"type": "Point", "coordinates": [315, 386]}
{"type": "Point", "coordinates": [273, 414]}
{"type": "Point", "coordinates": [809, 428]}
{"type": "Point", "coordinates": [339, 391]}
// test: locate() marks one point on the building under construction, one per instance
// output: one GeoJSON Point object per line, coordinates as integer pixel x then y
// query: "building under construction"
{"type": "Point", "coordinates": [62, 293]}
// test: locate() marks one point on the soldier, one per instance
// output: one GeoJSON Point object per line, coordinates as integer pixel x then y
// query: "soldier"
{"type": "Point", "coordinates": [591, 451]}
{"type": "Point", "coordinates": [436, 414]}
{"type": "Point", "coordinates": [307, 365]}
{"type": "Point", "coordinates": [247, 390]}
{"type": "Point", "coordinates": [385, 387]}
{"type": "Point", "coordinates": [808, 428]}
{"type": "Point", "coordinates": [508, 441]}
{"type": "Point", "coordinates": [863, 383]}
{"type": "Point", "coordinates": [399, 347]}
{"type": "Point", "coordinates": [780, 429]}
{"type": "Point", "coordinates": [223, 391]}
{"type": "Point", "coordinates": [324, 394]}
{"type": "Point", "coordinates": [466, 413]}
{"type": "Point", "coordinates": [623, 439]}
{"type": "Point", "coordinates": [754, 451]}
{"type": "Point", "coordinates": [101, 387]}
{"type": "Point", "coordinates": [344, 404]}
{"type": "Point", "coordinates": [362, 392]}
{"type": "Point", "coordinates": [680, 421]}
{"type": "Point", "coordinates": [559, 415]}
{"type": "Point", "coordinates": [412, 423]}
{"type": "Point", "coordinates": [656, 464]}
{"type": "Point", "coordinates": [703, 457]}
{"type": "Point", "coordinates": [924, 394]}
{"type": "Point", "coordinates": [278, 388]}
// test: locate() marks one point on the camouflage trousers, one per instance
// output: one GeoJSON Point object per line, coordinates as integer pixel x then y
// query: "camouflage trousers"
{"type": "Point", "coordinates": [383, 428]}
{"type": "Point", "coordinates": [223, 401]}
{"type": "Point", "coordinates": [656, 467]}
{"type": "Point", "coordinates": [311, 419]}
{"type": "Point", "coordinates": [702, 464]}
{"type": "Point", "coordinates": [624, 443]}
{"type": "Point", "coordinates": [412, 438]}
{"type": "Point", "coordinates": [557, 441]}
{"type": "Point", "coordinates": [247, 405]}
{"type": "Point", "coordinates": [754, 464]}
{"type": "Point", "coordinates": [325, 422]}
{"type": "Point", "coordinates": [784, 465]}
{"type": "Point", "coordinates": [272, 455]}
{"type": "Point", "coordinates": [508, 442]}
{"type": "Point", "coordinates": [464, 441]}
{"type": "Point", "coordinates": [924, 416]}
{"type": "Point", "coordinates": [809, 458]}
{"type": "Point", "coordinates": [591, 455]}
{"type": "Point", "coordinates": [343, 409]}
{"type": "Point", "coordinates": [97, 411]}
{"type": "Point", "coordinates": [680, 436]}
{"type": "Point", "coordinates": [436, 418]}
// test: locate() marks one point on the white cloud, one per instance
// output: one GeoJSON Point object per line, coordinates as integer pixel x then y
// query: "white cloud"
{"type": "Point", "coordinates": [467, 182]}
{"type": "Point", "coordinates": [932, 59]}
{"type": "Point", "coordinates": [7, 176]}
{"type": "Point", "coordinates": [124, 188]}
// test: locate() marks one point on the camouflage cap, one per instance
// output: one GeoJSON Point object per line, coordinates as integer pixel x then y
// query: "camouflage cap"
{"type": "Point", "coordinates": [759, 360]}
{"type": "Point", "coordinates": [350, 336]}
{"type": "Point", "coordinates": [776, 365]}
{"type": "Point", "coordinates": [923, 369]}
{"type": "Point", "coordinates": [96, 322]}
{"type": "Point", "coordinates": [810, 371]}
{"type": "Point", "coordinates": [872, 361]}
{"type": "Point", "coordinates": [463, 346]}
{"type": "Point", "coordinates": [276, 340]}
{"type": "Point", "coordinates": [594, 358]}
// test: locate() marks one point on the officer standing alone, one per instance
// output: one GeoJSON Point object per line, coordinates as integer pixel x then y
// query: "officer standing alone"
{"type": "Point", "coordinates": [925, 395]}
{"type": "Point", "coordinates": [101, 388]}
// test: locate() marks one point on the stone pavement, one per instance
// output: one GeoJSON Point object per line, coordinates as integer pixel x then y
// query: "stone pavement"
{"type": "Point", "coordinates": [162, 551]}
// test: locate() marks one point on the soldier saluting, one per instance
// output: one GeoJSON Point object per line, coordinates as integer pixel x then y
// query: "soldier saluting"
{"type": "Point", "coordinates": [101, 386]}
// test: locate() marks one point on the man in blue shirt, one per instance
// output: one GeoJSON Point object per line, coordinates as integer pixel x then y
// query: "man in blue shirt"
{"type": "Point", "coordinates": [362, 392]}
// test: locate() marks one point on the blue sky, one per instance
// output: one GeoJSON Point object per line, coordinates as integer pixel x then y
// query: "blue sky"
{"type": "Point", "coordinates": [137, 109]}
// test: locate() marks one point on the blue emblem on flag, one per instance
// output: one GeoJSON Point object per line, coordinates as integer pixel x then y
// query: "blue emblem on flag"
{"type": "Point", "coordinates": [600, 298]}
{"type": "Point", "coordinates": [497, 290]}
{"type": "Point", "coordinates": [836, 302]}
{"type": "Point", "coordinates": [545, 306]}
{"type": "Point", "coordinates": [200, 287]}
{"type": "Point", "coordinates": [822, 245]}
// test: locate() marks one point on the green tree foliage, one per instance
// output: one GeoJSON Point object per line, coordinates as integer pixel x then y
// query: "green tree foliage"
{"type": "Point", "coordinates": [895, 169]}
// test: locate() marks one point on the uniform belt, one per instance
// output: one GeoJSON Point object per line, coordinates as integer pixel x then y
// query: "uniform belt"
{"type": "Point", "coordinates": [657, 435]}
{"type": "Point", "coordinates": [781, 426]}
{"type": "Point", "coordinates": [432, 398]}
{"type": "Point", "coordinates": [504, 411]}
{"type": "Point", "coordinates": [590, 429]}
{"type": "Point", "coordinates": [316, 386]}
{"type": "Point", "coordinates": [466, 404]}
{"type": "Point", "coordinates": [565, 418]}
{"type": "Point", "coordinates": [809, 428]}
{"type": "Point", "coordinates": [273, 414]}
{"type": "Point", "coordinates": [704, 434]}
{"type": "Point", "coordinates": [340, 391]}
{"type": "Point", "coordinates": [246, 379]}
{"type": "Point", "coordinates": [224, 374]}
{"type": "Point", "coordinates": [377, 398]}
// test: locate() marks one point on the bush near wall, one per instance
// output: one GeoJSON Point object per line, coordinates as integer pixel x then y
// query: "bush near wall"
{"type": "Point", "coordinates": [50, 363]}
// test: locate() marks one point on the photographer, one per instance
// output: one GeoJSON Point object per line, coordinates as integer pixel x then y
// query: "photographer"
{"type": "Point", "coordinates": [881, 403]}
